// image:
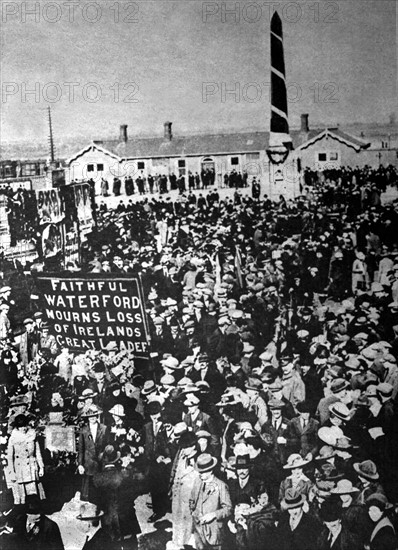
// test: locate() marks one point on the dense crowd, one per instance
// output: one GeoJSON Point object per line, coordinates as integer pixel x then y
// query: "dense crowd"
{"type": "Point", "coordinates": [265, 415]}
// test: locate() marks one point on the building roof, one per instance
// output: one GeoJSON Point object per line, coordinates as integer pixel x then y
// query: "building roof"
{"type": "Point", "coordinates": [211, 144]}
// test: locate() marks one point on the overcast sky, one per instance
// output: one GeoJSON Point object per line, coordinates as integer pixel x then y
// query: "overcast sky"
{"type": "Point", "coordinates": [340, 64]}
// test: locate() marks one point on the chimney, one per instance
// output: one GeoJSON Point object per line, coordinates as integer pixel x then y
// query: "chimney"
{"type": "Point", "coordinates": [167, 131]}
{"type": "Point", "coordinates": [123, 132]}
{"type": "Point", "coordinates": [304, 124]}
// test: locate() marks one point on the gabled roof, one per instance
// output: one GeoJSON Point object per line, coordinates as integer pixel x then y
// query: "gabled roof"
{"type": "Point", "coordinates": [211, 144]}
{"type": "Point", "coordinates": [338, 135]}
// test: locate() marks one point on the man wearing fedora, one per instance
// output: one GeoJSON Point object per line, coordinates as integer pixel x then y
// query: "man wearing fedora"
{"type": "Point", "coordinates": [90, 523]}
{"type": "Point", "coordinates": [297, 529]}
{"type": "Point", "coordinates": [92, 441]}
{"type": "Point", "coordinates": [99, 383]}
{"type": "Point", "coordinates": [33, 530]}
{"type": "Point", "coordinates": [244, 483]}
{"type": "Point", "coordinates": [210, 505]}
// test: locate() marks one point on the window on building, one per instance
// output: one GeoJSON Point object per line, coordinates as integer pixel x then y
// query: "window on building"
{"type": "Point", "coordinates": [141, 165]}
{"type": "Point", "coordinates": [29, 169]}
{"type": "Point", "coordinates": [234, 161]}
{"type": "Point", "coordinates": [252, 156]}
{"type": "Point", "coordinates": [90, 167]}
{"type": "Point", "coordinates": [100, 167]}
{"type": "Point", "coordinates": [8, 171]}
{"type": "Point", "coordinates": [333, 156]}
{"type": "Point", "coordinates": [181, 164]}
{"type": "Point", "coordinates": [322, 157]}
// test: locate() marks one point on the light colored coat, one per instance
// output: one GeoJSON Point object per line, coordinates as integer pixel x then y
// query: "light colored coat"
{"type": "Point", "coordinates": [24, 456]}
{"type": "Point", "coordinates": [185, 477]}
{"type": "Point", "coordinates": [204, 500]}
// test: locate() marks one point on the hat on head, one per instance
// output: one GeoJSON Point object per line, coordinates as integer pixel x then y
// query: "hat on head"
{"type": "Point", "coordinates": [33, 505]}
{"type": "Point", "coordinates": [344, 487]}
{"type": "Point", "coordinates": [379, 500]}
{"type": "Point", "coordinates": [109, 456]}
{"type": "Point", "coordinates": [254, 384]}
{"type": "Point", "coordinates": [384, 389]}
{"type": "Point", "coordinates": [153, 407]}
{"type": "Point", "coordinates": [242, 462]}
{"type": "Point", "coordinates": [87, 394]}
{"type": "Point", "coordinates": [325, 452]}
{"type": "Point", "coordinates": [187, 439]}
{"type": "Point", "coordinates": [89, 511]}
{"type": "Point", "coordinates": [99, 366]}
{"type": "Point", "coordinates": [167, 380]}
{"type": "Point", "coordinates": [205, 463]}
{"type": "Point", "coordinates": [295, 461]}
{"type": "Point", "coordinates": [366, 469]}
{"type": "Point", "coordinates": [340, 410]}
{"type": "Point", "coordinates": [293, 499]}
{"type": "Point", "coordinates": [27, 321]}
{"type": "Point", "coordinates": [276, 404]}
{"type": "Point", "coordinates": [331, 509]}
{"type": "Point", "coordinates": [93, 410]}
{"type": "Point", "coordinates": [203, 434]}
{"type": "Point", "coordinates": [148, 387]}
{"type": "Point", "coordinates": [118, 410]}
{"type": "Point", "coordinates": [303, 407]}
{"type": "Point", "coordinates": [338, 385]}
{"type": "Point", "coordinates": [170, 363]}
{"type": "Point", "coordinates": [191, 400]}
{"type": "Point", "coordinates": [275, 386]}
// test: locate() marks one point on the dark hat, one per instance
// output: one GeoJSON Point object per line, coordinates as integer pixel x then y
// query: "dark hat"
{"type": "Point", "coordinates": [99, 366]}
{"type": "Point", "coordinates": [303, 407]}
{"type": "Point", "coordinates": [109, 456]}
{"type": "Point", "coordinates": [205, 463]}
{"type": "Point", "coordinates": [338, 385]}
{"type": "Point", "coordinates": [367, 469]}
{"type": "Point", "coordinates": [242, 462]}
{"type": "Point", "coordinates": [276, 404]}
{"type": "Point", "coordinates": [33, 505]}
{"type": "Point", "coordinates": [93, 410]}
{"type": "Point", "coordinates": [331, 509]}
{"type": "Point", "coordinates": [21, 420]}
{"type": "Point", "coordinates": [153, 407]}
{"type": "Point", "coordinates": [187, 439]}
{"type": "Point", "coordinates": [254, 384]}
{"type": "Point", "coordinates": [293, 499]}
{"type": "Point", "coordinates": [379, 500]}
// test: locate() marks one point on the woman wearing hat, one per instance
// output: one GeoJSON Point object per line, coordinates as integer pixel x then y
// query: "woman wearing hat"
{"type": "Point", "coordinates": [297, 529]}
{"type": "Point", "coordinates": [354, 515]}
{"type": "Point", "coordinates": [383, 536]}
{"type": "Point", "coordinates": [297, 480]}
{"type": "Point", "coordinates": [368, 477]}
{"type": "Point", "coordinates": [24, 461]}
{"type": "Point", "coordinates": [115, 491]}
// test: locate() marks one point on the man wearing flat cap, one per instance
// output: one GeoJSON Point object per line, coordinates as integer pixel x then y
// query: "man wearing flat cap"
{"type": "Point", "coordinates": [210, 505]}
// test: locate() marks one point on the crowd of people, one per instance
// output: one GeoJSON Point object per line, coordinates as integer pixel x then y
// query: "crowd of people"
{"type": "Point", "coordinates": [265, 415]}
{"type": "Point", "coordinates": [160, 183]}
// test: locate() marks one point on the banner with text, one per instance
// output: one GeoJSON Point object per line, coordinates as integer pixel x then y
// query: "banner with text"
{"type": "Point", "coordinates": [90, 310]}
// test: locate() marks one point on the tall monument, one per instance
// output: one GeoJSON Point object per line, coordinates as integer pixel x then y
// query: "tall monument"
{"type": "Point", "coordinates": [283, 177]}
